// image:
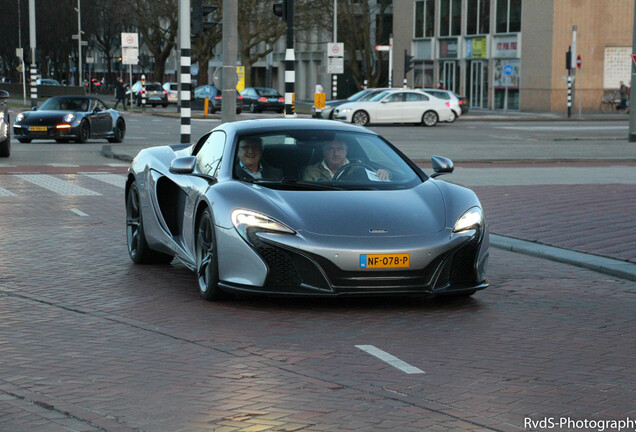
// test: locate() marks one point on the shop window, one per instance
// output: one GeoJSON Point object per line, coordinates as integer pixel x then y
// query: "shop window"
{"type": "Point", "coordinates": [508, 18]}
{"type": "Point", "coordinates": [424, 18]}
{"type": "Point", "coordinates": [478, 17]}
{"type": "Point", "coordinates": [450, 18]}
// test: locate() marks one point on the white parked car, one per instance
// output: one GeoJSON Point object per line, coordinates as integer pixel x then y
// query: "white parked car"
{"type": "Point", "coordinates": [396, 106]}
{"type": "Point", "coordinates": [173, 91]}
{"type": "Point", "coordinates": [447, 96]}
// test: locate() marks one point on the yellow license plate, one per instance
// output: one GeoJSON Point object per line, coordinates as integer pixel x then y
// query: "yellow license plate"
{"type": "Point", "coordinates": [398, 260]}
{"type": "Point", "coordinates": [37, 128]}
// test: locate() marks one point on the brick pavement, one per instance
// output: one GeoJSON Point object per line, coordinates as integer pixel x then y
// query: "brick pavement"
{"type": "Point", "coordinates": [89, 341]}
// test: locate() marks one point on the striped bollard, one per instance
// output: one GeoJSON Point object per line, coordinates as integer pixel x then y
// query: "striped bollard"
{"type": "Point", "coordinates": [569, 96]}
{"type": "Point", "coordinates": [334, 86]}
{"type": "Point", "coordinates": [364, 86]}
{"type": "Point", "coordinates": [34, 86]}
{"type": "Point", "coordinates": [186, 111]}
{"type": "Point", "coordinates": [290, 79]}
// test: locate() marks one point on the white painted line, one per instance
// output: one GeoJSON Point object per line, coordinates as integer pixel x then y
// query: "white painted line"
{"type": "Point", "coordinates": [4, 192]}
{"type": "Point", "coordinates": [56, 185]}
{"type": "Point", "coordinates": [112, 179]}
{"type": "Point", "coordinates": [78, 212]}
{"type": "Point", "coordinates": [61, 165]}
{"type": "Point", "coordinates": [562, 128]}
{"type": "Point", "coordinates": [117, 165]}
{"type": "Point", "coordinates": [390, 359]}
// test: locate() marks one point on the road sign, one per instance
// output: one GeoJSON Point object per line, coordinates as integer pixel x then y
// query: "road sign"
{"type": "Point", "coordinates": [508, 69]}
{"type": "Point", "coordinates": [129, 55]}
{"type": "Point", "coordinates": [383, 47]}
{"type": "Point", "coordinates": [634, 58]}
{"type": "Point", "coordinates": [578, 61]}
{"type": "Point", "coordinates": [130, 40]}
{"type": "Point", "coordinates": [335, 65]}
{"type": "Point", "coordinates": [335, 49]}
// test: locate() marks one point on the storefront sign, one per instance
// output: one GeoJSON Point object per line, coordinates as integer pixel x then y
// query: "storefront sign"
{"type": "Point", "coordinates": [506, 46]}
{"type": "Point", "coordinates": [448, 48]}
{"type": "Point", "coordinates": [476, 48]}
{"type": "Point", "coordinates": [507, 73]}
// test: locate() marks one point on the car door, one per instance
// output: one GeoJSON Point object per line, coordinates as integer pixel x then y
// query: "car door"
{"type": "Point", "coordinates": [391, 109]}
{"type": "Point", "coordinates": [101, 122]}
{"type": "Point", "coordinates": [416, 105]}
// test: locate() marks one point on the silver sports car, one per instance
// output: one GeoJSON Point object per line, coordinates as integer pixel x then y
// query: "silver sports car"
{"type": "Point", "coordinates": [304, 207]}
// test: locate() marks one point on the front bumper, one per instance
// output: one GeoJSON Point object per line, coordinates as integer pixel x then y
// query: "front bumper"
{"type": "Point", "coordinates": [51, 132]}
{"type": "Point", "coordinates": [292, 271]}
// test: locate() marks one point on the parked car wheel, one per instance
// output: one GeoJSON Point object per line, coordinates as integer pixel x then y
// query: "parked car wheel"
{"type": "Point", "coordinates": [430, 118]}
{"type": "Point", "coordinates": [24, 140]}
{"type": "Point", "coordinates": [453, 117]}
{"type": "Point", "coordinates": [360, 118]}
{"type": "Point", "coordinates": [5, 148]}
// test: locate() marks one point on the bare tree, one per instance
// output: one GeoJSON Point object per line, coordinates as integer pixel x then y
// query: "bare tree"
{"type": "Point", "coordinates": [157, 21]}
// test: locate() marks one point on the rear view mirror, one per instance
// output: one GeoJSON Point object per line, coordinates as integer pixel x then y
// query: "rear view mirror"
{"type": "Point", "coordinates": [183, 165]}
{"type": "Point", "coordinates": [442, 165]}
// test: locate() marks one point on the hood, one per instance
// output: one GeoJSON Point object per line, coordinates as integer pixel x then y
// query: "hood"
{"type": "Point", "coordinates": [415, 211]}
{"type": "Point", "coordinates": [45, 117]}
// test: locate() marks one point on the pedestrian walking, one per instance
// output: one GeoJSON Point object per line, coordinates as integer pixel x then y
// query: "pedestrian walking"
{"type": "Point", "coordinates": [120, 93]}
{"type": "Point", "coordinates": [623, 93]}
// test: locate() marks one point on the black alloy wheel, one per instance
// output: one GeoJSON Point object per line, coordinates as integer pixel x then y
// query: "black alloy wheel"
{"type": "Point", "coordinates": [207, 259]}
{"type": "Point", "coordinates": [84, 132]}
{"type": "Point", "coordinates": [138, 249]}
{"type": "Point", "coordinates": [119, 132]}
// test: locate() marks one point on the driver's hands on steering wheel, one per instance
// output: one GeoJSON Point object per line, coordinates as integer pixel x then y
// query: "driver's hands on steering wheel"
{"type": "Point", "coordinates": [383, 174]}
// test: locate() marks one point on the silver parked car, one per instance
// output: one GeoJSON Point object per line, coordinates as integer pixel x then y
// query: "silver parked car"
{"type": "Point", "coordinates": [253, 207]}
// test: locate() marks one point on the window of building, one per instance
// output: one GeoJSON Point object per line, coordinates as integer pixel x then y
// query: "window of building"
{"type": "Point", "coordinates": [450, 23]}
{"type": "Point", "coordinates": [424, 18]}
{"type": "Point", "coordinates": [478, 17]}
{"type": "Point", "coordinates": [508, 16]}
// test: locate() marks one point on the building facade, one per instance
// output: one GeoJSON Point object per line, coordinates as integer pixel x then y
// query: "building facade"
{"type": "Point", "coordinates": [510, 54]}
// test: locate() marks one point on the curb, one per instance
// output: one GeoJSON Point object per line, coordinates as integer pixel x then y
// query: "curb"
{"type": "Point", "coordinates": [608, 266]}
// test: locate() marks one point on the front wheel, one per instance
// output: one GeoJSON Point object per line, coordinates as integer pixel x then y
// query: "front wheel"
{"type": "Point", "coordinates": [119, 132]}
{"type": "Point", "coordinates": [207, 259]}
{"type": "Point", "coordinates": [360, 118]}
{"type": "Point", "coordinates": [84, 132]}
{"type": "Point", "coordinates": [430, 118]}
{"type": "Point", "coordinates": [5, 148]}
{"type": "Point", "coordinates": [453, 117]}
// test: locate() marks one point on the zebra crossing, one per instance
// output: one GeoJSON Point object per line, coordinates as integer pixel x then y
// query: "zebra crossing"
{"type": "Point", "coordinates": [68, 185]}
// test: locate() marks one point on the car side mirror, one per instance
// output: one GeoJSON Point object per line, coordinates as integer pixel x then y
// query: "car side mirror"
{"type": "Point", "coordinates": [441, 165]}
{"type": "Point", "coordinates": [34, 108]}
{"type": "Point", "coordinates": [183, 165]}
{"type": "Point", "coordinates": [97, 109]}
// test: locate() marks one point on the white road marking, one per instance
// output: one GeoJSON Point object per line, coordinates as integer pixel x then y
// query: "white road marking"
{"type": "Point", "coordinates": [61, 165]}
{"type": "Point", "coordinates": [56, 185]}
{"type": "Point", "coordinates": [78, 212]}
{"type": "Point", "coordinates": [117, 165]}
{"type": "Point", "coordinates": [4, 192]}
{"type": "Point", "coordinates": [112, 179]}
{"type": "Point", "coordinates": [390, 359]}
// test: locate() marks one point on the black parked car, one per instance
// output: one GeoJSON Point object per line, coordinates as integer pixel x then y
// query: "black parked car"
{"type": "Point", "coordinates": [216, 98]}
{"type": "Point", "coordinates": [259, 99]}
{"type": "Point", "coordinates": [66, 118]}
{"type": "Point", "coordinates": [5, 130]}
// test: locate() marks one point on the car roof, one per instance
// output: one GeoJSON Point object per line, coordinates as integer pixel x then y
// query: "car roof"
{"type": "Point", "coordinates": [283, 124]}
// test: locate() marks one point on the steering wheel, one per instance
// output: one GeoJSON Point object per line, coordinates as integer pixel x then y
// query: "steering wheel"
{"type": "Point", "coordinates": [346, 168]}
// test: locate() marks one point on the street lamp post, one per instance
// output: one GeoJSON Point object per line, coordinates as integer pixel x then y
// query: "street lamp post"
{"type": "Point", "coordinates": [79, 42]}
{"type": "Point", "coordinates": [32, 40]}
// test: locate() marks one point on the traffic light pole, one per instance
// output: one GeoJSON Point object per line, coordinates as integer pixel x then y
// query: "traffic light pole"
{"type": "Point", "coordinates": [34, 68]}
{"type": "Point", "coordinates": [184, 73]}
{"type": "Point", "coordinates": [230, 54]}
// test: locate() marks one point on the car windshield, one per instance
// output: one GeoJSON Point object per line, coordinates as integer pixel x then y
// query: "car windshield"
{"type": "Point", "coordinates": [66, 104]}
{"type": "Point", "coordinates": [267, 92]}
{"type": "Point", "coordinates": [379, 96]}
{"type": "Point", "coordinates": [369, 96]}
{"type": "Point", "coordinates": [154, 87]}
{"type": "Point", "coordinates": [359, 95]}
{"type": "Point", "coordinates": [323, 160]}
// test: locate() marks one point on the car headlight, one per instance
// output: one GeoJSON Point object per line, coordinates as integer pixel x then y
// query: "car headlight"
{"type": "Point", "coordinates": [69, 117]}
{"type": "Point", "coordinates": [471, 219]}
{"type": "Point", "coordinates": [243, 219]}
{"type": "Point", "coordinates": [1, 116]}
{"type": "Point", "coordinates": [20, 117]}
{"type": "Point", "coordinates": [344, 110]}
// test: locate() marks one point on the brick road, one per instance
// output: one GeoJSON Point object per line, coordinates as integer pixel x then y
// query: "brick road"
{"type": "Point", "coordinates": [91, 342]}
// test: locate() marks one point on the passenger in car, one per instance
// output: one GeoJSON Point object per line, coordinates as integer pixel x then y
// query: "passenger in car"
{"type": "Point", "coordinates": [249, 165]}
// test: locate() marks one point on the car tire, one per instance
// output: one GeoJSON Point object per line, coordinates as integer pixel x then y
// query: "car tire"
{"type": "Point", "coordinates": [119, 132]}
{"type": "Point", "coordinates": [138, 249]}
{"type": "Point", "coordinates": [24, 140]}
{"type": "Point", "coordinates": [165, 105]}
{"type": "Point", "coordinates": [360, 118]}
{"type": "Point", "coordinates": [84, 132]}
{"type": "Point", "coordinates": [430, 118]}
{"type": "Point", "coordinates": [5, 148]}
{"type": "Point", "coordinates": [280, 111]}
{"type": "Point", "coordinates": [153, 105]}
{"type": "Point", "coordinates": [207, 259]}
{"type": "Point", "coordinates": [61, 140]}
{"type": "Point", "coordinates": [238, 111]}
{"type": "Point", "coordinates": [453, 117]}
